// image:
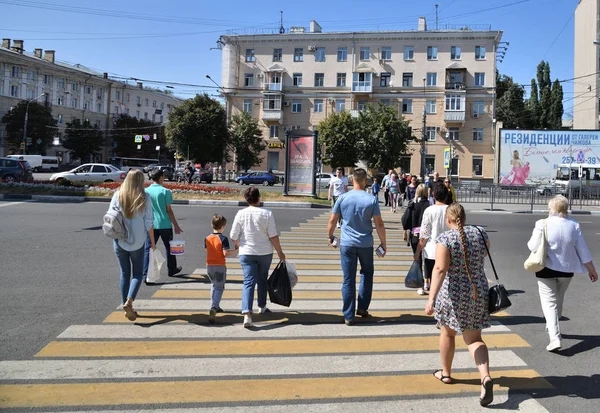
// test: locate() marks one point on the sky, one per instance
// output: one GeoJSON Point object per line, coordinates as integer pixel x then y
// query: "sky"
{"type": "Point", "coordinates": [171, 41]}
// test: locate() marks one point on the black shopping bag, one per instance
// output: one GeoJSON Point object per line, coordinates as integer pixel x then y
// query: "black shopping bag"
{"type": "Point", "coordinates": [279, 287]}
{"type": "Point", "coordinates": [414, 278]}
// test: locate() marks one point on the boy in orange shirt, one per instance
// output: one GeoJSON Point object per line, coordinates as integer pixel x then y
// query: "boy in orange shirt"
{"type": "Point", "coordinates": [217, 249]}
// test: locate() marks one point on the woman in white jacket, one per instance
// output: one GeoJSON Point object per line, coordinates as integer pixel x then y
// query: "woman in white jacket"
{"type": "Point", "coordinates": [567, 254]}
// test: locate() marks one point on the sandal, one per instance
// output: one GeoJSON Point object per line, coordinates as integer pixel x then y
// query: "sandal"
{"type": "Point", "coordinates": [129, 313]}
{"type": "Point", "coordinates": [488, 396]}
{"type": "Point", "coordinates": [442, 377]}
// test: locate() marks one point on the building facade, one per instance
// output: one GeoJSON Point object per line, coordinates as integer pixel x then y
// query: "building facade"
{"type": "Point", "coordinates": [586, 107]}
{"type": "Point", "coordinates": [73, 92]}
{"type": "Point", "coordinates": [294, 80]}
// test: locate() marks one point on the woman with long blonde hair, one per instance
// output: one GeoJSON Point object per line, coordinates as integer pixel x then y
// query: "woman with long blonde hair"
{"type": "Point", "coordinates": [459, 296]}
{"type": "Point", "coordinates": [136, 207]}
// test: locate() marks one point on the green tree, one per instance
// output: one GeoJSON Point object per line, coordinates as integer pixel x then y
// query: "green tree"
{"type": "Point", "coordinates": [545, 101]}
{"type": "Point", "coordinates": [510, 104]}
{"type": "Point", "coordinates": [545, 94]}
{"type": "Point", "coordinates": [556, 106]}
{"type": "Point", "coordinates": [125, 128]}
{"type": "Point", "coordinates": [200, 125]}
{"type": "Point", "coordinates": [245, 140]}
{"type": "Point", "coordinates": [40, 126]}
{"type": "Point", "coordinates": [383, 136]}
{"type": "Point", "coordinates": [83, 140]}
{"type": "Point", "coordinates": [339, 134]}
{"type": "Point", "coordinates": [533, 105]}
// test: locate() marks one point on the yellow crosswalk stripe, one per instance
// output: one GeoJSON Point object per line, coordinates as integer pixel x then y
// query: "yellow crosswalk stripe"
{"type": "Point", "coordinates": [313, 278]}
{"type": "Point", "coordinates": [297, 295]}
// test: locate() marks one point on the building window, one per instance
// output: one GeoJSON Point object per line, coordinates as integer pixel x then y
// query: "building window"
{"type": "Point", "coordinates": [429, 163]}
{"type": "Point", "coordinates": [318, 107]}
{"type": "Point", "coordinates": [137, 114]}
{"type": "Point", "coordinates": [407, 79]}
{"type": "Point", "coordinates": [100, 92]}
{"type": "Point", "coordinates": [161, 116]}
{"type": "Point", "coordinates": [154, 117]}
{"type": "Point", "coordinates": [386, 53]}
{"type": "Point", "coordinates": [272, 102]}
{"type": "Point", "coordinates": [128, 97]}
{"type": "Point", "coordinates": [61, 82]}
{"type": "Point", "coordinates": [385, 102]}
{"type": "Point", "coordinates": [341, 80]}
{"type": "Point", "coordinates": [297, 79]}
{"type": "Point", "coordinates": [169, 108]}
{"type": "Point", "coordinates": [88, 90]}
{"type": "Point", "coordinates": [162, 105]}
{"type": "Point", "coordinates": [59, 119]}
{"type": "Point", "coordinates": [15, 71]}
{"type": "Point", "coordinates": [477, 165]}
{"type": "Point", "coordinates": [362, 105]}
{"type": "Point", "coordinates": [454, 166]}
{"type": "Point", "coordinates": [362, 82]}
{"type": "Point", "coordinates": [274, 131]}
{"type": "Point", "coordinates": [31, 75]}
{"type": "Point", "coordinates": [320, 54]}
{"type": "Point", "coordinates": [154, 104]}
{"type": "Point", "coordinates": [139, 101]}
{"type": "Point", "coordinates": [319, 79]}
{"type": "Point", "coordinates": [47, 79]}
{"type": "Point", "coordinates": [477, 134]}
{"type": "Point", "coordinates": [407, 106]}
{"type": "Point", "coordinates": [127, 113]}
{"type": "Point", "coordinates": [296, 106]}
{"type": "Point", "coordinates": [342, 54]}
{"type": "Point", "coordinates": [30, 93]}
{"type": "Point", "coordinates": [277, 55]}
{"type": "Point", "coordinates": [431, 79]}
{"type": "Point", "coordinates": [340, 105]}
{"type": "Point", "coordinates": [147, 102]}
{"type": "Point", "coordinates": [365, 53]}
{"type": "Point", "coordinates": [455, 52]}
{"type": "Point", "coordinates": [430, 133]}
{"type": "Point", "coordinates": [250, 55]}
{"type": "Point", "coordinates": [409, 53]}
{"type": "Point", "coordinates": [430, 108]}
{"type": "Point", "coordinates": [249, 79]}
{"type": "Point", "coordinates": [432, 52]}
{"type": "Point", "coordinates": [298, 54]}
{"type": "Point", "coordinates": [14, 91]}
{"type": "Point", "coordinates": [248, 105]}
{"type": "Point", "coordinates": [479, 52]}
{"type": "Point", "coordinates": [385, 79]}
{"type": "Point", "coordinates": [118, 94]}
{"type": "Point", "coordinates": [145, 115]}
{"type": "Point", "coordinates": [99, 108]}
{"type": "Point", "coordinates": [478, 108]}
{"type": "Point", "coordinates": [453, 134]}
{"type": "Point", "coordinates": [480, 79]}
{"type": "Point", "coordinates": [74, 87]}
{"type": "Point", "coordinates": [454, 103]}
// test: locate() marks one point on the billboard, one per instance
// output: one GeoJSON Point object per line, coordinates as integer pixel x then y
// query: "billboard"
{"type": "Point", "coordinates": [301, 164]}
{"type": "Point", "coordinates": [530, 157]}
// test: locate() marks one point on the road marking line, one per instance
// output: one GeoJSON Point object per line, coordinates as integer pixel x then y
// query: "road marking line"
{"type": "Point", "coordinates": [297, 294]}
{"type": "Point", "coordinates": [13, 204]}
{"type": "Point", "coordinates": [301, 286]}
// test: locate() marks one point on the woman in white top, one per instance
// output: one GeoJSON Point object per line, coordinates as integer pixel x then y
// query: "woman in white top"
{"type": "Point", "coordinates": [567, 254]}
{"type": "Point", "coordinates": [253, 231]}
{"type": "Point", "coordinates": [137, 211]}
{"type": "Point", "coordinates": [433, 224]}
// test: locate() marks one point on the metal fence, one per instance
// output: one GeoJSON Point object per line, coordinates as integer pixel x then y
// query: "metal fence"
{"type": "Point", "coordinates": [525, 195]}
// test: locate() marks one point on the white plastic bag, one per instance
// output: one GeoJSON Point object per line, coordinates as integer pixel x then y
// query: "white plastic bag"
{"type": "Point", "coordinates": [291, 270]}
{"type": "Point", "coordinates": [155, 262]}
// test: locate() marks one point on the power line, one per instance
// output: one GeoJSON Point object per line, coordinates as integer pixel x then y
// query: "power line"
{"type": "Point", "coordinates": [559, 33]}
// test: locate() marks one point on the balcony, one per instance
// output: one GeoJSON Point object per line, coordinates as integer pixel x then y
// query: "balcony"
{"type": "Point", "coordinates": [362, 82]}
{"type": "Point", "coordinates": [455, 86]}
{"type": "Point", "coordinates": [454, 116]}
{"type": "Point", "coordinates": [272, 115]}
{"type": "Point", "coordinates": [272, 87]}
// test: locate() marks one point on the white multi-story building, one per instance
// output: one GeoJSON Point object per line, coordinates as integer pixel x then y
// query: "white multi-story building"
{"type": "Point", "coordinates": [586, 107]}
{"type": "Point", "coordinates": [73, 92]}
{"type": "Point", "coordinates": [295, 79]}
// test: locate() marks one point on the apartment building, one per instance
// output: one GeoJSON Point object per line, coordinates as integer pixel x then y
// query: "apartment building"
{"type": "Point", "coordinates": [586, 107]}
{"type": "Point", "coordinates": [296, 79]}
{"type": "Point", "coordinates": [73, 92]}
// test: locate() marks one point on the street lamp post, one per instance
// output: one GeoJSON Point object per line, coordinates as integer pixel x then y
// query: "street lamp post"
{"type": "Point", "coordinates": [24, 143]}
{"type": "Point", "coordinates": [223, 162]}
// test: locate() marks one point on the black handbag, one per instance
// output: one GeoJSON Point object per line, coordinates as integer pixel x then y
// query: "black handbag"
{"type": "Point", "coordinates": [497, 294]}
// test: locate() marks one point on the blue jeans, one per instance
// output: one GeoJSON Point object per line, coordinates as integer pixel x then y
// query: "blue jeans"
{"type": "Point", "coordinates": [256, 271]}
{"type": "Point", "coordinates": [350, 257]}
{"type": "Point", "coordinates": [132, 264]}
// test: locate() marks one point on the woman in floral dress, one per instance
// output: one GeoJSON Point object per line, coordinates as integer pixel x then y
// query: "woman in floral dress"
{"type": "Point", "coordinates": [459, 296]}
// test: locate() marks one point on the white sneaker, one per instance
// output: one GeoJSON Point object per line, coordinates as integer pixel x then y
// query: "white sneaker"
{"type": "Point", "coordinates": [248, 321]}
{"type": "Point", "coordinates": [262, 310]}
{"type": "Point", "coordinates": [554, 345]}
{"type": "Point", "coordinates": [421, 291]}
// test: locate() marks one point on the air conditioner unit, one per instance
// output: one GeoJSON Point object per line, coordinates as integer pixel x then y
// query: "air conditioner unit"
{"type": "Point", "coordinates": [475, 115]}
{"type": "Point", "coordinates": [312, 48]}
{"type": "Point", "coordinates": [286, 103]}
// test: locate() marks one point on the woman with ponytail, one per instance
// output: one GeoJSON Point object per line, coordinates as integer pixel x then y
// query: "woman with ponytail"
{"type": "Point", "coordinates": [459, 296]}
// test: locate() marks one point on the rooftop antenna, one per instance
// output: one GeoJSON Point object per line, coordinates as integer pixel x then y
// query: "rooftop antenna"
{"type": "Point", "coordinates": [281, 28]}
{"type": "Point", "coordinates": [436, 16]}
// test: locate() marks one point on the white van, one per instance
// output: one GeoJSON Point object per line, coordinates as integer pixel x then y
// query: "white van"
{"type": "Point", "coordinates": [584, 179]}
{"type": "Point", "coordinates": [35, 161]}
{"type": "Point", "coordinates": [49, 163]}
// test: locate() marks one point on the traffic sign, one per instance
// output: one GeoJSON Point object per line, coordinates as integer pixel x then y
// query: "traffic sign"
{"type": "Point", "coordinates": [580, 156]}
{"type": "Point", "coordinates": [28, 141]}
{"type": "Point", "coordinates": [39, 141]}
{"type": "Point", "coordinates": [446, 158]}
{"type": "Point", "coordinates": [22, 146]}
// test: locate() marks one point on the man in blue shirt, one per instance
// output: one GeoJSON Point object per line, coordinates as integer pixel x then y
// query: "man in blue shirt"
{"type": "Point", "coordinates": [357, 208]}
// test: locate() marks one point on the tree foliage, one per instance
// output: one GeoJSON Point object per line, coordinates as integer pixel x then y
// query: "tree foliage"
{"type": "Point", "coordinates": [123, 135]}
{"type": "Point", "coordinates": [556, 106]}
{"type": "Point", "coordinates": [40, 125]}
{"type": "Point", "coordinates": [245, 140]}
{"type": "Point", "coordinates": [545, 101]}
{"type": "Point", "coordinates": [339, 133]}
{"type": "Point", "coordinates": [510, 104]}
{"type": "Point", "coordinates": [83, 140]}
{"type": "Point", "coordinates": [200, 125]}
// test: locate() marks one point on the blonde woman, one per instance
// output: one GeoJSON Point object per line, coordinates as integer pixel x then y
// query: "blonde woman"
{"type": "Point", "coordinates": [567, 254]}
{"type": "Point", "coordinates": [137, 211]}
{"type": "Point", "coordinates": [459, 296]}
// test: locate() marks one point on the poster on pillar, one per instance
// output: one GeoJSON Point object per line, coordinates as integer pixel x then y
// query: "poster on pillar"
{"type": "Point", "coordinates": [301, 164]}
{"type": "Point", "coordinates": [532, 157]}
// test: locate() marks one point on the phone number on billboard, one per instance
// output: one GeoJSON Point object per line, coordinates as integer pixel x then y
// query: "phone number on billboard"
{"type": "Point", "coordinates": [591, 160]}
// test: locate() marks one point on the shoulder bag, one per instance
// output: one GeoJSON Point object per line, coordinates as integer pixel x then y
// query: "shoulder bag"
{"type": "Point", "coordinates": [537, 259]}
{"type": "Point", "coordinates": [497, 294]}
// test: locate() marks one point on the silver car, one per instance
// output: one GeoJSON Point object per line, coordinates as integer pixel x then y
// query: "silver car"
{"type": "Point", "coordinates": [91, 172]}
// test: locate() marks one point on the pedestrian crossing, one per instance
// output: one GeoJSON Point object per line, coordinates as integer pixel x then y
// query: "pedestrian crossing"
{"type": "Point", "coordinates": [297, 359]}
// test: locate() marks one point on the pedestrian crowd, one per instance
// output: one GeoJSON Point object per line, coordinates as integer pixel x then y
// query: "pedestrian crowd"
{"type": "Point", "coordinates": [450, 252]}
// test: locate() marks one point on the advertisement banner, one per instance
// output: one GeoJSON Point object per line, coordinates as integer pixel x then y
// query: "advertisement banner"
{"type": "Point", "coordinates": [531, 157]}
{"type": "Point", "coordinates": [301, 165]}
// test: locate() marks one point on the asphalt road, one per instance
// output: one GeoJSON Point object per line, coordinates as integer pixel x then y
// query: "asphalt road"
{"type": "Point", "coordinates": [57, 269]}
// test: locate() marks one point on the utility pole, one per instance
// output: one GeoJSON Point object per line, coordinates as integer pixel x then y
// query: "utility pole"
{"type": "Point", "coordinates": [424, 135]}
{"type": "Point", "coordinates": [436, 16]}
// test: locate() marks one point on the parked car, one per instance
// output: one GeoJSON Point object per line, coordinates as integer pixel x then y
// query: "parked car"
{"type": "Point", "coordinates": [168, 171]}
{"type": "Point", "coordinates": [264, 178]}
{"type": "Point", "coordinates": [92, 172]}
{"type": "Point", "coordinates": [12, 170]}
{"type": "Point", "coordinates": [324, 179]}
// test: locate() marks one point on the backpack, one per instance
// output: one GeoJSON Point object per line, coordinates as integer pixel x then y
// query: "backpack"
{"type": "Point", "coordinates": [407, 216]}
{"type": "Point", "coordinates": [115, 226]}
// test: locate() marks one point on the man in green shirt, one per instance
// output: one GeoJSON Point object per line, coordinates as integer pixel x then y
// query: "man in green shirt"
{"type": "Point", "coordinates": [164, 221]}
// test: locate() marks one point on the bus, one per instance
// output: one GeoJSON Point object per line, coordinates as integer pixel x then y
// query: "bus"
{"type": "Point", "coordinates": [49, 163]}
{"type": "Point", "coordinates": [127, 164]}
{"type": "Point", "coordinates": [578, 179]}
